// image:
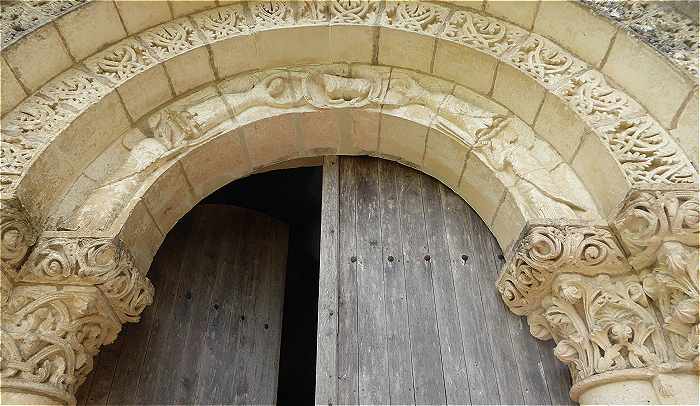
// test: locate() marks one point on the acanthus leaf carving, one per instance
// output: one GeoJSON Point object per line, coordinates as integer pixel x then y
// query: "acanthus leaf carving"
{"type": "Point", "coordinates": [600, 324]}
{"type": "Point", "coordinates": [353, 11]}
{"type": "Point", "coordinates": [223, 22]}
{"type": "Point", "coordinates": [171, 39]}
{"type": "Point", "coordinates": [50, 335]}
{"type": "Point", "coordinates": [547, 250]}
{"type": "Point", "coordinates": [121, 62]}
{"type": "Point", "coordinates": [272, 13]}
{"type": "Point", "coordinates": [99, 262]}
{"type": "Point", "coordinates": [545, 62]}
{"type": "Point", "coordinates": [660, 230]}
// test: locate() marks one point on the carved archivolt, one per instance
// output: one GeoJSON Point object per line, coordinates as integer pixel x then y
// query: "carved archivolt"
{"type": "Point", "coordinates": [644, 150]}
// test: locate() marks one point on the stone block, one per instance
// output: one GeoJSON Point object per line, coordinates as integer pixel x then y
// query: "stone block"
{"type": "Point", "coordinates": [139, 15]}
{"type": "Point", "coordinates": [234, 55]}
{"type": "Point", "coordinates": [169, 197]}
{"type": "Point", "coordinates": [145, 92]}
{"type": "Point", "coordinates": [93, 131]}
{"type": "Point", "coordinates": [187, 7]}
{"type": "Point", "coordinates": [466, 66]}
{"type": "Point", "coordinates": [292, 46]}
{"type": "Point", "coordinates": [508, 223]}
{"type": "Point", "coordinates": [90, 28]}
{"type": "Point", "coordinates": [555, 20]}
{"type": "Point", "coordinates": [444, 157]}
{"type": "Point", "coordinates": [216, 162]}
{"type": "Point", "coordinates": [521, 13]}
{"type": "Point", "coordinates": [45, 45]}
{"type": "Point", "coordinates": [189, 70]}
{"type": "Point", "coordinates": [12, 92]}
{"type": "Point", "coordinates": [519, 93]}
{"type": "Point", "coordinates": [686, 131]}
{"type": "Point", "coordinates": [352, 43]}
{"type": "Point", "coordinates": [481, 188]}
{"type": "Point", "coordinates": [600, 172]}
{"type": "Point", "coordinates": [271, 140]}
{"type": "Point", "coordinates": [140, 233]}
{"type": "Point", "coordinates": [648, 77]}
{"type": "Point", "coordinates": [405, 49]}
{"type": "Point", "coordinates": [559, 126]}
{"type": "Point", "coordinates": [359, 131]}
{"type": "Point", "coordinates": [319, 132]}
{"type": "Point", "coordinates": [402, 139]}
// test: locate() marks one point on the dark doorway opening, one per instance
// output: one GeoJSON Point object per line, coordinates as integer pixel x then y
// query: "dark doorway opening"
{"type": "Point", "coordinates": [292, 196]}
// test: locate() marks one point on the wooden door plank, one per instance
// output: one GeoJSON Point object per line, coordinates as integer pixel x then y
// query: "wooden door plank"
{"type": "Point", "coordinates": [373, 378]}
{"type": "Point", "coordinates": [147, 347]}
{"type": "Point", "coordinates": [273, 333]}
{"type": "Point", "coordinates": [246, 362]}
{"type": "Point", "coordinates": [425, 343]}
{"type": "Point", "coordinates": [477, 348]}
{"type": "Point", "coordinates": [326, 377]}
{"type": "Point", "coordinates": [449, 329]}
{"type": "Point", "coordinates": [503, 355]}
{"type": "Point", "coordinates": [104, 375]}
{"type": "Point", "coordinates": [183, 381]}
{"type": "Point", "coordinates": [211, 364]}
{"type": "Point", "coordinates": [238, 313]}
{"type": "Point", "coordinates": [347, 355]}
{"type": "Point", "coordinates": [398, 342]}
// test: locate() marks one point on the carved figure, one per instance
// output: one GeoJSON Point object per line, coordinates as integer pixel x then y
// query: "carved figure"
{"type": "Point", "coordinates": [172, 131]}
{"type": "Point", "coordinates": [511, 154]}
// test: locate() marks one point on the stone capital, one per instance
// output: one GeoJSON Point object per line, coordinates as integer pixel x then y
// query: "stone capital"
{"type": "Point", "coordinates": [548, 249]}
{"type": "Point", "coordinates": [50, 334]}
{"type": "Point", "coordinates": [16, 234]}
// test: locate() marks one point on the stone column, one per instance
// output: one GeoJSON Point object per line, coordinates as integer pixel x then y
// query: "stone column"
{"type": "Point", "coordinates": [63, 302]}
{"type": "Point", "coordinates": [624, 316]}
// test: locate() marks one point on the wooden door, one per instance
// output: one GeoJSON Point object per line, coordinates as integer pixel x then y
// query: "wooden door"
{"type": "Point", "coordinates": [408, 310]}
{"type": "Point", "coordinates": [212, 334]}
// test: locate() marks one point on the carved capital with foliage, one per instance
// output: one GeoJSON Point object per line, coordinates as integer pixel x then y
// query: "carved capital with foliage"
{"type": "Point", "coordinates": [101, 262]}
{"type": "Point", "coordinates": [547, 250]}
{"type": "Point", "coordinates": [50, 334]}
{"type": "Point", "coordinates": [659, 228]}
{"type": "Point", "coordinates": [16, 235]}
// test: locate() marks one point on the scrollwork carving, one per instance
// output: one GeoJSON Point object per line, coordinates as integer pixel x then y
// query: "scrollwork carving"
{"type": "Point", "coordinates": [16, 234]}
{"type": "Point", "coordinates": [547, 250]}
{"type": "Point", "coordinates": [103, 263]}
{"type": "Point", "coordinates": [49, 337]}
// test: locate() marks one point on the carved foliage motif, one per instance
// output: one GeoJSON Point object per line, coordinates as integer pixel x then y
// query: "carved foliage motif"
{"type": "Point", "coordinates": [121, 62]}
{"type": "Point", "coordinates": [545, 62]}
{"type": "Point", "coordinates": [484, 33]}
{"type": "Point", "coordinates": [18, 18]}
{"type": "Point", "coordinates": [414, 16]}
{"type": "Point", "coordinates": [50, 335]}
{"type": "Point", "coordinates": [88, 261]}
{"type": "Point", "coordinates": [546, 251]}
{"type": "Point", "coordinates": [171, 38]}
{"type": "Point", "coordinates": [272, 13]}
{"type": "Point", "coordinates": [222, 22]}
{"type": "Point", "coordinates": [660, 229]}
{"type": "Point", "coordinates": [16, 234]}
{"type": "Point", "coordinates": [646, 152]}
{"type": "Point", "coordinates": [353, 11]}
{"type": "Point", "coordinates": [600, 324]}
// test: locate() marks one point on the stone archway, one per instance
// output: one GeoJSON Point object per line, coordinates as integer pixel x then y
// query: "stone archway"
{"type": "Point", "coordinates": [585, 181]}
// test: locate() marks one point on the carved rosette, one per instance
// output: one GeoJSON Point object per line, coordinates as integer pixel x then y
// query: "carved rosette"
{"type": "Point", "coordinates": [660, 231]}
{"type": "Point", "coordinates": [544, 251]}
{"type": "Point", "coordinates": [100, 262]}
{"type": "Point", "coordinates": [50, 334]}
